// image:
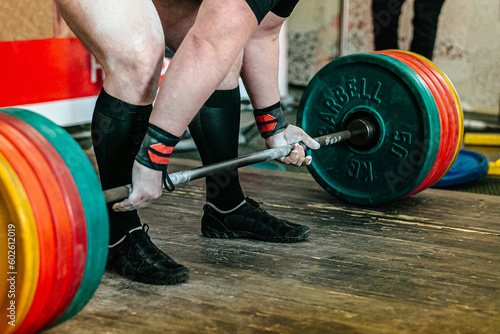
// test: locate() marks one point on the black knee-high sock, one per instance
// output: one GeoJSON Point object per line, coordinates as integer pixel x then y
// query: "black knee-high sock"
{"type": "Point", "coordinates": [118, 129]}
{"type": "Point", "coordinates": [215, 130]}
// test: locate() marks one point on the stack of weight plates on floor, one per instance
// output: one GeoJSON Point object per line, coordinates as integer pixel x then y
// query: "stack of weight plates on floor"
{"type": "Point", "coordinates": [417, 117]}
{"type": "Point", "coordinates": [54, 229]}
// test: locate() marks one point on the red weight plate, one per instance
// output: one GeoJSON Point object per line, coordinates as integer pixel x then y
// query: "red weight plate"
{"type": "Point", "coordinates": [439, 95]}
{"type": "Point", "coordinates": [52, 281]}
{"type": "Point", "coordinates": [39, 207]}
{"type": "Point", "coordinates": [19, 244]}
{"type": "Point", "coordinates": [455, 109]}
{"type": "Point", "coordinates": [459, 111]}
{"type": "Point", "coordinates": [449, 120]}
{"type": "Point", "coordinates": [453, 115]}
{"type": "Point", "coordinates": [443, 148]}
{"type": "Point", "coordinates": [446, 146]}
{"type": "Point", "coordinates": [74, 267]}
{"type": "Point", "coordinates": [63, 196]}
{"type": "Point", "coordinates": [93, 202]}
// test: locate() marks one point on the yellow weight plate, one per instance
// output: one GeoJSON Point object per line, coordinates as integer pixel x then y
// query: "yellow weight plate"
{"type": "Point", "coordinates": [20, 255]}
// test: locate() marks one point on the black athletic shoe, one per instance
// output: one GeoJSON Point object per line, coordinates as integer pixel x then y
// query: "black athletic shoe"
{"type": "Point", "coordinates": [251, 222]}
{"type": "Point", "coordinates": [138, 259]}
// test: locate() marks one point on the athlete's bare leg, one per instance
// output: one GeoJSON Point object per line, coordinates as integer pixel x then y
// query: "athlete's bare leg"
{"type": "Point", "coordinates": [127, 39]}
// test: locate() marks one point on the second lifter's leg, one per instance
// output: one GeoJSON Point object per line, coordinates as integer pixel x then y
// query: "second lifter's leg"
{"type": "Point", "coordinates": [385, 15]}
{"type": "Point", "coordinates": [425, 24]}
{"type": "Point", "coordinates": [126, 38]}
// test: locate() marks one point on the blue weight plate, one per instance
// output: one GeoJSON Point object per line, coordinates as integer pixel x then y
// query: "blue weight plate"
{"type": "Point", "coordinates": [468, 166]}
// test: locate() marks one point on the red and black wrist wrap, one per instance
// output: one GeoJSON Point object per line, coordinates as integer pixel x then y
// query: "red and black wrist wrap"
{"type": "Point", "coordinates": [270, 120]}
{"type": "Point", "coordinates": [155, 151]}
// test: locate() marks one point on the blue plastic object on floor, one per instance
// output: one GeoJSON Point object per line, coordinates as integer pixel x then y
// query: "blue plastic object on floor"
{"type": "Point", "coordinates": [468, 166]}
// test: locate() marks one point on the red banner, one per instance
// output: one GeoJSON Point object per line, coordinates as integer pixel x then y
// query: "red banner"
{"type": "Point", "coordinates": [38, 71]}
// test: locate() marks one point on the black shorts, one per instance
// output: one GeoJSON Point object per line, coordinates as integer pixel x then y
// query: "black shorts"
{"type": "Point", "coordinates": [282, 8]}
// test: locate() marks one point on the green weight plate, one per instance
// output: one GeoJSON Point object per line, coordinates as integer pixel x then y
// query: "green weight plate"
{"type": "Point", "coordinates": [93, 201]}
{"type": "Point", "coordinates": [407, 128]}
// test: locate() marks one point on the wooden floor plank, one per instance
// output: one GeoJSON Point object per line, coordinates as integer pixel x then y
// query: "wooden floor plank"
{"type": "Point", "coordinates": [426, 264]}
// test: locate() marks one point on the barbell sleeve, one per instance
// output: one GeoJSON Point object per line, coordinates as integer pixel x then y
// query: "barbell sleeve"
{"type": "Point", "coordinates": [358, 128]}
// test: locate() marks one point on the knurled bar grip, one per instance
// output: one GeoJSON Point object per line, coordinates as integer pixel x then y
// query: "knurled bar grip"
{"type": "Point", "coordinates": [122, 192]}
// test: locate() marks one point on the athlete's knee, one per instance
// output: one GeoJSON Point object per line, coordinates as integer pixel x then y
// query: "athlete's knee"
{"type": "Point", "coordinates": [140, 61]}
{"type": "Point", "coordinates": [231, 79]}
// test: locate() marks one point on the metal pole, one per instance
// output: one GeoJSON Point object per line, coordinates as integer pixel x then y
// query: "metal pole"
{"type": "Point", "coordinates": [122, 192]}
{"type": "Point", "coordinates": [344, 28]}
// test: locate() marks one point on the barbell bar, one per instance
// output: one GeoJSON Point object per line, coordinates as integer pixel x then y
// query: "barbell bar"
{"type": "Point", "coordinates": [359, 131]}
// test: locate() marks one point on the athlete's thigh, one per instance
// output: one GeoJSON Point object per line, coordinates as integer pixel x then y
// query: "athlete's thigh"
{"type": "Point", "coordinates": [109, 27]}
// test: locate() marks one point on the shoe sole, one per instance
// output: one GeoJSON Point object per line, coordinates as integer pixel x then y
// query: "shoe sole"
{"type": "Point", "coordinates": [248, 235]}
{"type": "Point", "coordinates": [178, 278]}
